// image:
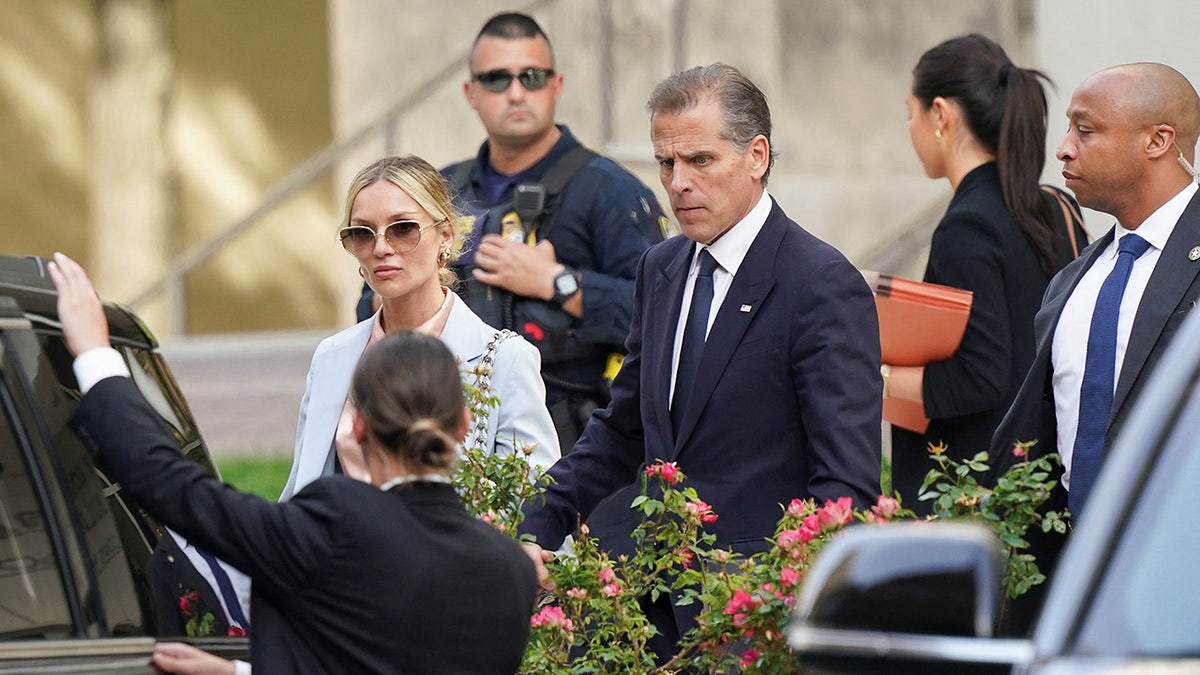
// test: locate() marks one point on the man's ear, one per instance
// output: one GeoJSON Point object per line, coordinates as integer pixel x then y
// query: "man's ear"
{"type": "Point", "coordinates": [1160, 140]}
{"type": "Point", "coordinates": [760, 156]}
{"type": "Point", "coordinates": [469, 93]}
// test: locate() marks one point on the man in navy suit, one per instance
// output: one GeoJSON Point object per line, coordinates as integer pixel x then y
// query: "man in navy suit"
{"type": "Point", "coordinates": [1128, 153]}
{"type": "Point", "coordinates": [785, 399]}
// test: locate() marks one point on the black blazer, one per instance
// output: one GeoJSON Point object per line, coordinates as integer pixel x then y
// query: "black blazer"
{"type": "Point", "coordinates": [171, 576]}
{"type": "Point", "coordinates": [978, 247]}
{"type": "Point", "coordinates": [346, 578]}
{"type": "Point", "coordinates": [786, 404]}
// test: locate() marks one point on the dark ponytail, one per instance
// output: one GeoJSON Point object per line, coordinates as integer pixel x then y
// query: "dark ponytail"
{"type": "Point", "coordinates": [1005, 109]}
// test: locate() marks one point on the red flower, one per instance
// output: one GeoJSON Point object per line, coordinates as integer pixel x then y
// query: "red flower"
{"type": "Point", "coordinates": [187, 602]}
{"type": "Point", "coordinates": [236, 631]}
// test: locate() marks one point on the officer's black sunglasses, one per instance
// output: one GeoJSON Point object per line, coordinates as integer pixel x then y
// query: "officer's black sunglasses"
{"type": "Point", "coordinates": [499, 80]}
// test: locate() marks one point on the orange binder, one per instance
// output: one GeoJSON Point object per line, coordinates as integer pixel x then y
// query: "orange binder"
{"type": "Point", "coordinates": [919, 323]}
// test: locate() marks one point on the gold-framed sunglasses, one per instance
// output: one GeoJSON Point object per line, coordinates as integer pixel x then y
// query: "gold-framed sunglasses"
{"type": "Point", "coordinates": [402, 235]}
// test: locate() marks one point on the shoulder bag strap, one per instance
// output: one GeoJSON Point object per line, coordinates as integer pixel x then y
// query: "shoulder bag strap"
{"type": "Point", "coordinates": [1071, 216]}
{"type": "Point", "coordinates": [483, 382]}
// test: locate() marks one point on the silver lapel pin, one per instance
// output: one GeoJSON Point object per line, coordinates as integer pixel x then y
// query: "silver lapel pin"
{"type": "Point", "coordinates": [1194, 254]}
{"type": "Point", "coordinates": [745, 309]}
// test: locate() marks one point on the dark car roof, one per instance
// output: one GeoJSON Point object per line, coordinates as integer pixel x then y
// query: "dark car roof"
{"type": "Point", "coordinates": [25, 280]}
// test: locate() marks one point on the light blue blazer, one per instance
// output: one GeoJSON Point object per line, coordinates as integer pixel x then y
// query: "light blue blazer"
{"type": "Point", "coordinates": [516, 380]}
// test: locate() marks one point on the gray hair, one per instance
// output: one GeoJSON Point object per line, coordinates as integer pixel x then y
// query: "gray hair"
{"type": "Point", "coordinates": [744, 111]}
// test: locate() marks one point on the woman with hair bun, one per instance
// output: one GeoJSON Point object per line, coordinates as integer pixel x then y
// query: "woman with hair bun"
{"type": "Point", "coordinates": [387, 576]}
{"type": "Point", "coordinates": [979, 121]}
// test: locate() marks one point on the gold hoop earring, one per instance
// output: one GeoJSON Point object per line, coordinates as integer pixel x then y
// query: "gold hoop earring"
{"type": "Point", "coordinates": [443, 258]}
{"type": "Point", "coordinates": [362, 272]}
{"type": "Point", "coordinates": [937, 133]}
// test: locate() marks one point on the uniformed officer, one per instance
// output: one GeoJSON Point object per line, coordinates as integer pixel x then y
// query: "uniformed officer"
{"type": "Point", "coordinates": [556, 229]}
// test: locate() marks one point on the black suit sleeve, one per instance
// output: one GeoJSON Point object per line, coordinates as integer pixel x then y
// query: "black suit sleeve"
{"type": "Point", "coordinates": [967, 253]}
{"type": "Point", "coordinates": [279, 545]}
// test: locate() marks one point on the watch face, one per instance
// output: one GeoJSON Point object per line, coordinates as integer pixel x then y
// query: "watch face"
{"type": "Point", "coordinates": [566, 283]}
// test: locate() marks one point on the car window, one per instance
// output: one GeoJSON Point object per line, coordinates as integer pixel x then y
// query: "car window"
{"type": "Point", "coordinates": [154, 380]}
{"type": "Point", "coordinates": [83, 491]}
{"type": "Point", "coordinates": [1149, 601]}
{"type": "Point", "coordinates": [32, 599]}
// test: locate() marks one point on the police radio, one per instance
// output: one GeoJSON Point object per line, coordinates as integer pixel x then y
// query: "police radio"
{"type": "Point", "coordinates": [529, 199]}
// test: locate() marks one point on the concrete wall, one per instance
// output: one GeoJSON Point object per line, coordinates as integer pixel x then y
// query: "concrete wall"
{"type": "Point", "coordinates": [835, 72]}
{"type": "Point", "coordinates": [258, 87]}
{"type": "Point", "coordinates": [247, 101]}
{"type": "Point", "coordinates": [1079, 37]}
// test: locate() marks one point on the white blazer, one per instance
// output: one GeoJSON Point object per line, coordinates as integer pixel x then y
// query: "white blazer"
{"type": "Point", "coordinates": [516, 380]}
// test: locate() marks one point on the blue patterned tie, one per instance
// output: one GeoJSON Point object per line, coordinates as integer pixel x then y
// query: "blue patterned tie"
{"type": "Point", "coordinates": [1096, 392]}
{"type": "Point", "coordinates": [693, 337]}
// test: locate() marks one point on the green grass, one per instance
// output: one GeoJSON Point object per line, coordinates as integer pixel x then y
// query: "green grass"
{"type": "Point", "coordinates": [263, 476]}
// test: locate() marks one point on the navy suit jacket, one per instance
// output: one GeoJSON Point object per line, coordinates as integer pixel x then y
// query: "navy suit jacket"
{"type": "Point", "coordinates": [347, 578]}
{"type": "Point", "coordinates": [786, 404]}
{"type": "Point", "coordinates": [1170, 294]}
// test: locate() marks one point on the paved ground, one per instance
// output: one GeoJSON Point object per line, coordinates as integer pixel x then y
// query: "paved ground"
{"type": "Point", "coordinates": [245, 389]}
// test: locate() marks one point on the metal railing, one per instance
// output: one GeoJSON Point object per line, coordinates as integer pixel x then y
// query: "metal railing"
{"type": "Point", "coordinates": [384, 125]}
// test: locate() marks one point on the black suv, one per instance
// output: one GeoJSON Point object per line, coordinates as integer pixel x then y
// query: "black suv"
{"type": "Point", "coordinates": [73, 548]}
{"type": "Point", "coordinates": [1125, 596]}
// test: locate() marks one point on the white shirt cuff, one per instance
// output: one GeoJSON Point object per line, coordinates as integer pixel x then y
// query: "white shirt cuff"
{"type": "Point", "coordinates": [97, 364]}
{"type": "Point", "coordinates": [241, 668]}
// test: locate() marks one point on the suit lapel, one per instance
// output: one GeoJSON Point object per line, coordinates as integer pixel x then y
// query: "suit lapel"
{"type": "Point", "coordinates": [754, 280]}
{"type": "Point", "coordinates": [1171, 278]}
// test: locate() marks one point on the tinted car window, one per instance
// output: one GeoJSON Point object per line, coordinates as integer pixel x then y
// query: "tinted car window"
{"type": "Point", "coordinates": [32, 600]}
{"type": "Point", "coordinates": [1149, 601]}
{"type": "Point", "coordinates": [116, 602]}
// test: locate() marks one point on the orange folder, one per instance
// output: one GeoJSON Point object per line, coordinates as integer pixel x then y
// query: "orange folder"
{"type": "Point", "coordinates": [919, 323]}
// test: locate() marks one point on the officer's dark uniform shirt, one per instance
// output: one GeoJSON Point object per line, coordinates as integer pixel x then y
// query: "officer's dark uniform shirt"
{"type": "Point", "coordinates": [600, 225]}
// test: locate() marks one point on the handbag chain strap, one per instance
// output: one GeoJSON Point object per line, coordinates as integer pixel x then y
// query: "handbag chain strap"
{"type": "Point", "coordinates": [483, 382]}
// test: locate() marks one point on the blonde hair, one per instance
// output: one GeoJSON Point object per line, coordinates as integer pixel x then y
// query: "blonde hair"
{"type": "Point", "coordinates": [427, 188]}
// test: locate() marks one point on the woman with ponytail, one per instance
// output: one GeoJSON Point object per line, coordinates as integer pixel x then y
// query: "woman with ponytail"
{"type": "Point", "coordinates": [386, 576]}
{"type": "Point", "coordinates": [979, 121]}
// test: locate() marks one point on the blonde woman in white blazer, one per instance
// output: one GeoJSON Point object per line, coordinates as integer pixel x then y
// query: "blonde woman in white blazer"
{"type": "Point", "coordinates": [400, 228]}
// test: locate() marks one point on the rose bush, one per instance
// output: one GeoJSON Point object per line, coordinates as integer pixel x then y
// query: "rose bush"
{"type": "Point", "coordinates": [592, 622]}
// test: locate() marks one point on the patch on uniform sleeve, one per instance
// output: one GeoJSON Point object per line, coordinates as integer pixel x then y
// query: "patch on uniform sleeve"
{"type": "Point", "coordinates": [668, 228]}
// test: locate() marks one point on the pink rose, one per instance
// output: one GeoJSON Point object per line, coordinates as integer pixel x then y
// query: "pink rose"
{"type": "Point", "coordinates": [577, 593]}
{"type": "Point", "coordinates": [611, 590]}
{"type": "Point", "coordinates": [885, 507]}
{"type": "Point", "coordinates": [607, 575]}
{"type": "Point", "coordinates": [789, 576]}
{"type": "Point", "coordinates": [670, 473]}
{"type": "Point", "coordinates": [750, 657]}
{"type": "Point", "coordinates": [797, 508]}
{"type": "Point", "coordinates": [1018, 450]}
{"type": "Point", "coordinates": [836, 514]}
{"type": "Point", "coordinates": [813, 522]}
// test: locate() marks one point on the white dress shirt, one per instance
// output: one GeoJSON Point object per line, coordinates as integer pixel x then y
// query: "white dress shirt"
{"type": "Point", "coordinates": [1068, 352]}
{"type": "Point", "coordinates": [729, 251]}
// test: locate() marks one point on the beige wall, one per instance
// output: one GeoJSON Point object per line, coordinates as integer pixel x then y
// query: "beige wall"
{"type": "Point", "coordinates": [256, 88]}
{"type": "Point", "coordinates": [247, 101]}
{"type": "Point", "coordinates": [46, 53]}
{"type": "Point", "coordinates": [835, 73]}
